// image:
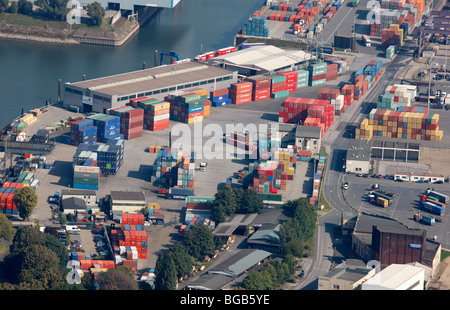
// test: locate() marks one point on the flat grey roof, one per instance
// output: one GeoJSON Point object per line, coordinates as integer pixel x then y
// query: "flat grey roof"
{"type": "Point", "coordinates": [225, 229]}
{"type": "Point", "coordinates": [77, 192]}
{"type": "Point", "coordinates": [359, 149]}
{"type": "Point", "coordinates": [152, 78]}
{"type": "Point", "coordinates": [308, 132]}
{"type": "Point", "coordinates": [123, 195]}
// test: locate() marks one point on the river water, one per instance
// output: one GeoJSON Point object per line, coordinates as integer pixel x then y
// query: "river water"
{"type": "Point", "coordinates": [29, 71]}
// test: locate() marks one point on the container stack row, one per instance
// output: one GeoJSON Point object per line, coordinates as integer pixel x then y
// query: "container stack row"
{"type": "Point", "coordinates": [82, 131]}
{"type": "Point", "coordinates": [256, 26]}
{"type": "Point", "coordinates": [392, 36]}
{"type": "Point", "coordinates": [241, 92]}
{"type": "Point", "coordinates": [86, 176]}
{"type": "Point", "coordinates": [7, 205]}
{"type": "Point", "coordinates": [131, 121]}
{"type": "Point", "coordinates": [156, 113]}
{"type": "Point", "coordinates": [108, 126]}
{"type": "Point", "coordinates": [188, 106]}
{"type": "Point", "coordinates": [219, 97]}
{"type": "Point", "coordinates": [318, 74]}
{"type": "Point", "coordinates": [314, 199]}
{"type": "Point", "coordinates": [394, 97]}
{"type": "Point", "coordinates": [260, 87]}
{"type": "Point", "coordinates": [405, 123]}
{"type": "Point", "coordinates": [242, 142]}
{"type": "Point", "coordinates": [172, 165]}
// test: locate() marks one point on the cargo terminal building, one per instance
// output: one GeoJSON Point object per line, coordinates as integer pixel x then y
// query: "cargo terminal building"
{"type": "Point", "coordinates": [101, 94]}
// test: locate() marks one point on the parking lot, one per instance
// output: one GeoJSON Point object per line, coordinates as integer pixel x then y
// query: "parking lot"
{"type": "Point", "coordinates": [404, 205]}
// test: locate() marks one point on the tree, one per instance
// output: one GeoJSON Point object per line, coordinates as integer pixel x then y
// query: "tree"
{"type": "Point", "coordinates": [54, 9]}
{"type": "Point", "coordinates": [26, 200]}
{"type": "Point", "coordinates": [224, 204]}
{"type": "Point", "coordinates": [24, 7]}
{"type": "Point", "coordinates": [249, 202]}
{"type": "Point", "coordinates": [166, 273]}
{"type": "Point", "coordinates": [96, 12]}
{"type": "Point", "coordinates": [6, 229]}
{"type": "Point", "coordinates": [183, 261]}
{"type": "Point", "coordinates": [199, 241]}
{"type": "Point", "coordinates": [13, 8]}
{"type": "Point", "coordinates": [4, 5]}
{"type": "Point", "coordinates": [118, 278]}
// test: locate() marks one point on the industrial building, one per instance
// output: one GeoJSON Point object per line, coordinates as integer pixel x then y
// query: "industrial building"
{"type": "Point", "coordinates": [101, 94]}
{"type": "Point", "coordinates": [390, 242]}
{"type": "Point", "coordinates": [265, 59]}
{"type": "Point", "coordinates": [126, 202]}
{"type": "Point", "coordinates": [358, 156]}
{"type": "Point", "coordinates": [349, 275]}
{"type": "Point", "coordinates": [88, 196]}
{"type": "Point", "coordinates": [304, 137]}
{"type": "Point", "coordinates": [397, 277]}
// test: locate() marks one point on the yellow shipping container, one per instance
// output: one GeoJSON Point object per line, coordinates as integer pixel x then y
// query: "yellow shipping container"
{"type": "Point", "coordinates": [160, 106]}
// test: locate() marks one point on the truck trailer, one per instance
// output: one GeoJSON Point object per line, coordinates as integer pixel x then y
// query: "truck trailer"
{"type": "Point", "coordinates": [442, 198]}
{"type": "Point", "coordinates": [435, 209]}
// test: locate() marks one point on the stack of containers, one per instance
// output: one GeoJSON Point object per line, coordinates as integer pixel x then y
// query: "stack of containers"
{"type": "Point", "coordinates": [86, 176]}
{"type": "Point", "coordinates": [256, 26]}
{"type": "Point", "coordinates": [394, 97]}
{"type": "Point", "coordinates": [219, 97]}
{"type": "Point", "coordinates": [156, 114]}
{"type": "Point", "coordinates": [260, 88]}
{"type": "Point", "coordinates": [108, 156]}
{"type": "Point", "coordinates": [7, 205]}
{"type": "Point", "coordinates": [295, 110]}
{"type": "Point", "coordinates": [375, 28]}
{"type": "Point", "coordinates": [405, 123]}
{"type": "Point", "coordinates": [392, 36]}
{"type": "Point", "coordinates": [313, 200]}
{"type": "Point", "coordinates": [278, 86]}
{"type": "Point", "coordinates": [242, 142]}
{"type": "Point", "coordinates": [185, 173]}
{"type": "Point", "coordinates": [131, 121]}
{"type": "Point", "coordinates": [320, 116]}
{"type": "Point", "coordinates": [318, 74]}
{"type": "Point", "coordinates": [82, 131]}
{"type": "Point", "coordinates": [108, 126]}
{"type": "Point", "coordinates": [332, 72]}
{"type": "Point", "coordinates": [187, 107]}
{"type": "Point", "coordinates": [390, 51]}
{"type": "Point", "coordinates": [343, 65]}
{"type": "Point", "coordinates": [291, 80]}
{"type": "Point", "coordinates": [240, 92]}
{"type": "Point", "coordinates": [348, 90]}
{"type": "Point", "coordinates": [361, 86]}
{"type": "Point", "coordinates": [328, 93]}
{"type": "Point", "coordinates": [302, 78]}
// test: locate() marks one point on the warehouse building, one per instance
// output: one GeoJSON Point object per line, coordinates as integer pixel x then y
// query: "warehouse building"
{"type": "Point", "coordinates": [358, 156]}
{"type": "Point", "coordinates": [126, 202]}
{"type": "Point", "coordinates": [304, 137]}
{"type": "Point", "coordinates": [265, 59]}
{"type": "Point", "coordinates": [397, 277]}
{"type": "Point", "coordinates": [349, 275]}
{"type": "Point", "coordinates": [101, 94]}
{"type": "Point", "coordinates": [88, 196]}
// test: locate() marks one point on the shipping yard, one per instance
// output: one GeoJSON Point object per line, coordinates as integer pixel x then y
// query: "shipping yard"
{"type": "Point", "coordinates": [335, 114]}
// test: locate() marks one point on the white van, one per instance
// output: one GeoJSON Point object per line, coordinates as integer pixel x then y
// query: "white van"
{"type": "Point", "coordinates": [70, 228]}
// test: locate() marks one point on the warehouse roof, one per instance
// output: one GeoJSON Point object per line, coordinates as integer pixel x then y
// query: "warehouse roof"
{"type": "Point", "coordinates": [267, 57]}
{"type": "Point", "coordinates": [77, 192]}
{"type": "Point", "coordinates": [123, 195]}
{"type": "Point", "coordinates": [308, 132]}
{"type": "Point", "coordinates": [152, 78]}
{"type": "Point", "coordinates": [394, 275]}
{"type": "Point", "coordinates": [359, 149]}
{"type": "Point", "coordinates": [235, 221]}
{"type": "Point", "coordinates": [348, 272]}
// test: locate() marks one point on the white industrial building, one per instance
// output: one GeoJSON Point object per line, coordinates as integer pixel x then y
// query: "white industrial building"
{"type": "Point", "coordinates": [358, 156]}
{"type": "Point", "coordinates": [126, 202]}
{"type": "Point", "coordinates": [397, 277]}
{"type": "Point", "coordinates": [264, 59]}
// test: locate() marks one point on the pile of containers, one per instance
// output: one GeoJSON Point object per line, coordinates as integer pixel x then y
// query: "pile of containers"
{"type": "Point", "coordinates": [313, 200]}
{"type": "Point", "coordinates": [241, 92]}
{"type": "Point", "coordinates": [348, 90]}
{"type": "Point", "coordinates": [260, 87]}
{"type": "Point", "coordinates": [302, 78]}
{"type": "Point", "coordinates": [109, 156]}
{"type": "Point", "coordinates": [394, 97]}
{"type": "Point", "coordinates": [406, 123]}
{"type": "Point", "coordinates": [332, 72]}
{"type": "Point", "coordinates": [272, 175]}
{"type": "Point", "coordinates": [174, 168]}
{"type": "Point", "coordinates": [86, 176]}
{"type": "Point", "coordinates": [278, 86]}
{"type": "Point", "coordinates": [82, 130]}
{"type": "Point", "coordinates": [337, 100]}
{"type": "Point", "coordinates": [390, 51]}
{"type": "Point", "coordinates": [242, 141]}
{"type": "Point", "coordinates": [108, 126]}
{"type": "Point", "coordinates": [93, 265]}
{"type": "Point", "coordinates": [131, 121]}
{"type": "Point", "coordinates": [291, 80]}
{"type": "Point", "coordinates": [188, 106]}
{"type": "Point", "coordinates": [219, 97]}
{"type": "Point", "coordinates": [156, 113]}
{"type": "Point", "coordinates": [308, 112]}
{"type": "Point", "coordinates": [318, 74]}
{"type": "Point", "coordinates": [256, 26]}
{"type": "Point", "coordinates": [7, 205]}
{"type": "Point", "coordinates": [392, 36]}
{"type": "Point", "coordinates": [131, 241]}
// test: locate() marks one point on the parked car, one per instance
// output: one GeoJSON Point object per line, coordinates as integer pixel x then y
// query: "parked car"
{"type": "Point", "coordinates": [103, 253]}
{"type": "Point", "coordinates": [345, 186]}
{"type": "Point", "coordinates": [53, 199]}
{"type": "Point", "coordinates": [438, 182]}
{"type": "Point", "coordinates": [100, 243]}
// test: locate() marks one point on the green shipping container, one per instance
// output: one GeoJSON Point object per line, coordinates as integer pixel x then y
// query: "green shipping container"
{"type": "Point", "coordinates": [85, 181]}
{"type": "Point", "coordinates": [318, 66]}
{"type": "Point", "coordinates": [318, 82]}
{"type": "Point", "coordinates": [318, 72]}
{"type": "Point", "coordinates": [280, 94]}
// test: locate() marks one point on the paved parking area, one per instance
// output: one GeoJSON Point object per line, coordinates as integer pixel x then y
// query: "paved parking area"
{"type": "Point", "coordinates": [405, 204]}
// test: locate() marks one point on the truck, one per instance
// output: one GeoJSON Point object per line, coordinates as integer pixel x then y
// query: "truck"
{"type": "Point", "coordinates": [382, 202]}
{"type": "Point", "coordinates": [442, 198]}
{"type": "Point", "coordinates": [427, 220]}
{"type": "Point", "coordinates": [373, 195]}
{"type": "Point", "coordinates": [355, 3]}
{"type": "Point", "coordinates": [366, 40]}
{"type": "Point", "coordinates": [179, 193]}
{"type": "Point", "coordinates": [435, 209]}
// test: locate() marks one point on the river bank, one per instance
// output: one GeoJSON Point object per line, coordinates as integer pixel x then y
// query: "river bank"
{"type": "Point", "coordinates": [119, 30]}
